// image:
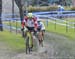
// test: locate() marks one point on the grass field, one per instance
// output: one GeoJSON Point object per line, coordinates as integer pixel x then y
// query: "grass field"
{"type": "Point", "coordinates": [63, 30]}
{"type": "Point", "coordinates": [60, 29]}
{"type": "Point", "coordinates": [15, 42]}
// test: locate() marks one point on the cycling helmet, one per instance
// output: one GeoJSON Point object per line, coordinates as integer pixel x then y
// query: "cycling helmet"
{"type": "Point", "coordinates": [30, 15]}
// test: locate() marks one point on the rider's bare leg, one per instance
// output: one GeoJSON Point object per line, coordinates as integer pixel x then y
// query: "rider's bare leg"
{"type": "Point", "coordinates": [42, 34]}
{"type": "Point", "coordinates": [32, 39]}
{"type": "Point", "coordinates": [40, 37]}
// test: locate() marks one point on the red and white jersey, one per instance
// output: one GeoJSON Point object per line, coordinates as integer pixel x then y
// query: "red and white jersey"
{"type": "Point", "coordinates": [30, 23]}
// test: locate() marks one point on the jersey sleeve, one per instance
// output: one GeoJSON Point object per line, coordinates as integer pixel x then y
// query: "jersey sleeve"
{"type": "Point", "coordinates": [35, 22]}
{"type": "Point", "coordinates": [24, 21]}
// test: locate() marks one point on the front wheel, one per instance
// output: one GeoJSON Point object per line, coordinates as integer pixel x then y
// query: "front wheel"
{"type": "Point", "coordinates": [27, 45]}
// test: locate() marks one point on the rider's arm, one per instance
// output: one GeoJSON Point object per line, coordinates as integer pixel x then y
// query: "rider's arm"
{"type": "Point", "coordinates": [24, 21]}
{"type": "Point", "coordinates": [35, 23]}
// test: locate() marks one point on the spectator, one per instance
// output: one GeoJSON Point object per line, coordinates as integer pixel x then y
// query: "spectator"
{"type": "Point", "coordinates": [60, 9]}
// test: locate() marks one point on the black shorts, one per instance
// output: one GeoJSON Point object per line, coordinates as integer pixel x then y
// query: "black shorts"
{"type": "Point", "coordinates": [38, 29]}
{"type": "Point", "coordinates": [43, 30]}
{"type": "Point", "coordinates": [30, 29]}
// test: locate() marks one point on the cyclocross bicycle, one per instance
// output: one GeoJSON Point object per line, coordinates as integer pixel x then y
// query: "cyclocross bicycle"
{"type": "Point", "coordinates": [28, 41]}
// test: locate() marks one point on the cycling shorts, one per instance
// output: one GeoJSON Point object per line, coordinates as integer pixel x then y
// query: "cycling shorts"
{"type": "Point", "coordinates": [30, 29]}
{"type": "Point", "coordinates": [38, 29]}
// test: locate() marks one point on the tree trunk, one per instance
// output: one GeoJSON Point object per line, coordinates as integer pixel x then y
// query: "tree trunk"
{"type": "Point", "coordinates": [21, 14]}
{"type": "Point", "coordinates": [1, 26]}
{"type": "Point", "coordinates": [19, 4]}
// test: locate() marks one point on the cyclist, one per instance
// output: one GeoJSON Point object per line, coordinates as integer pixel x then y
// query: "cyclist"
{"type": "Point", "coordinates": [41, 29]}
{"type": "Point", "coordinates": [30, 22]}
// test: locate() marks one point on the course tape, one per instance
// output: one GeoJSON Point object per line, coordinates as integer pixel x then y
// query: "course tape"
{"type": "Point", "coordinates": [53, 12]}
{"type": "Point", "coordinates": [62, 24]}
{"type": "Point", "coordinates": [12, 27]}
{"type": "Point", "coordinates": [56, 15]}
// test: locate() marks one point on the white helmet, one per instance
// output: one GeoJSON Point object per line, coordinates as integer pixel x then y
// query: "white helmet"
{"type": "Point", "coordinates": [30, 15]}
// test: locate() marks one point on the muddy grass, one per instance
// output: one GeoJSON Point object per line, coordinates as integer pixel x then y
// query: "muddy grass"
{"type": "Point", "coordinates": [64, 48]}
{"type": "Point", "coordinates": [55, 46]}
